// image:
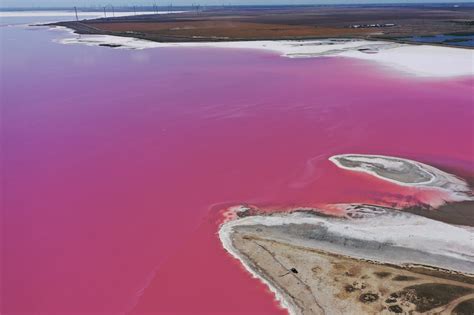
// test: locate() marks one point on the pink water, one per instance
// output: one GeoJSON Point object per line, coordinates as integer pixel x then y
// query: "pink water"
{"type": "Point", "coordinates": [117, 164]}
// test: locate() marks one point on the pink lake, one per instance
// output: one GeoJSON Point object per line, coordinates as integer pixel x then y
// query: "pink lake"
{"type": "Point", "coordinates": [117, 164]}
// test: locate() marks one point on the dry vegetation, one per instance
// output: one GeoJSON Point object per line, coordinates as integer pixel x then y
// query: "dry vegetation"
{"type": "Point", "coordinates": [285, 23]}
{"type": "Point", "coordinates": [317, 282]}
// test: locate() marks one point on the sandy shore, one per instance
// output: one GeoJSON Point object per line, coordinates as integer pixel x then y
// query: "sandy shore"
{"type": "Point", "coordinates": [382, 262]}
{"type": "Point", "coordinates": [374, 259]}
{"type": "Point", "coordinates": [418, 60]}
{"type": "Point", "coordinates": [373, 33]}
{"type": "Point", "coordinates": [409, 173]}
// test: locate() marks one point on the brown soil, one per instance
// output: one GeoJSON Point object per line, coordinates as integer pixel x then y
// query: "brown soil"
{"type": "Point", "coordinates": [285, 23]}
{"type": "Point", "coordinates": [459, 213]}
{"type": "Point", "coordinates": [228, 29]}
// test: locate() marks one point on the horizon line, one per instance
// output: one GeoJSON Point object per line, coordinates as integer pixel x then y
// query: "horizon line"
{"type": "Point", "coordinates": [152, 7]}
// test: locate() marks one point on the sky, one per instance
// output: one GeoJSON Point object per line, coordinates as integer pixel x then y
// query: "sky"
{"type": "Point", "coordinates": [87, 3]}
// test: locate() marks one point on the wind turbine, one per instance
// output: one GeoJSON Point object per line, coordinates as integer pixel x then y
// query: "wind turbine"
{"type": "Point", "coordinates": [109, 6]}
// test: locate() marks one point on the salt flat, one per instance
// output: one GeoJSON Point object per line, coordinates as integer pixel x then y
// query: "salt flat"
{"type": "Point", "coordinates": [418, 60]}
{"type": "Point", "coordinates": [318, 265]}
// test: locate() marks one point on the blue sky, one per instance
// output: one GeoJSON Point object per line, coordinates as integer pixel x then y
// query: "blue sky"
{"type": "Point", "coordinates": [85, 3]}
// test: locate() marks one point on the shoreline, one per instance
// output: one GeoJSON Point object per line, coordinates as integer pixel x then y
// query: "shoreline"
{"type": "Point", "coordinates": [403, 233]}
{"type": "Point", "coordinates": [371, 260]}
{"type": "Point", "coordinates": [408, 173]}
{"type": "Point", "coordinates": [286, 230]}
{"type": "Point", "coordinates": [84, 29]}
{"type": "Point", "coordinates": [418, 60]}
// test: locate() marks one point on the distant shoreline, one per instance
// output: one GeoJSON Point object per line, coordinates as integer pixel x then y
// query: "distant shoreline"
{"type": "Point", "coordinates": [84, 29]}
{"type": "Point", "coordinates": [418, 60]}
{"type": "Point", "coordinates": [392, 23]}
